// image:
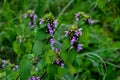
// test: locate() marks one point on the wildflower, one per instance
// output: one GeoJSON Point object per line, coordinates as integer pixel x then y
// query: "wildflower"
{"type": "Point", "coordinates": [73, 40]}
{"type": "Point", "coordinates": [31, 15]}
{"type": "Point", "coordinates": [15, 68]}
{"type": "Point", "coordinates": [56, 50]}
{"type": "Point", "coordinates": [55, 23]}
{"type": "Point", "coordinates": [35, 17]}
{"type": "Point", "coordinates": [3, 63]}
{"type": "Point", "coordinates": [79, 47]}
{"type": "Point", "coordinates": [90, 21]}
{"type": "Point", "coordinates": [52, 41]}
{"type": "Point", "coordinates": [31, 24]}
{"type": "Point", "coordinates": [41, 21]}
{"type": "Point", "coordinates": [50, 32]}
{"type": "Point", "coordinates": [38, 78]}
{"type": "Point", "coordinates": [66, 34]}
{"type": "Point", "coordinates": [49, 26]}
{"type": "Point", "coordinates": [77, 16]}
{"type": "Point", "coordinates": [57, 61]}
{"type": "Point", "coordinates": [62, 65]}
{"type": "Point", "coordinates": [34, 78]}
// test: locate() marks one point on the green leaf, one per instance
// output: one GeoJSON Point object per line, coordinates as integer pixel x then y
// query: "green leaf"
{"type": "Point", "coordinates": [13, 76]}
{"type": "Point", "coordinates": [71, 55]}
{"type": "Point", "coordinates": [51, 70]}
{"type": "Point", "coordinates": [25, 68]}
{"type": "Point", "coordinates": [61, 72]}
{"type": "Point", "coordinates": [57, 45]}
{"type": "Point", "coordinates": [40, 35]}
{"type": "Point", "coordinates": [49, 55]}
{"type": "Point", "coordinates": [8, 69]}
{"type": "Point", "coordinates": [41, 65]}
{"type": "Point", "coordinates": [16, 48]}
{"type": "Point", "coordinates": [28, 47]}
{"type": "Point", "coordinates": [64, 56]}
{"type": "Point", "coordinates": [66, 44]}
{"type": "Point", "coordinates": [37, 48]}
{"type": "Point", "coordinates": [72, 69]}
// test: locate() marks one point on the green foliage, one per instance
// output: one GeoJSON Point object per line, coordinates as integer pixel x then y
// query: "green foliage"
{"type": "Point", "coordinates": [25, 67]}
{"type": "Point", "coordinates": [31, 49]}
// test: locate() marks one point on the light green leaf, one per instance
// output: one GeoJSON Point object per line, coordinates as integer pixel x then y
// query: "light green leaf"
{"type": "Point", "coordinates": [37, 48]}
{"type": "Point", "coordinates": [25, 68]}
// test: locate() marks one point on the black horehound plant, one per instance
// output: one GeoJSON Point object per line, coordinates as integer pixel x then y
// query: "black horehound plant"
{"type": "Point", "coordinates": [50, 56]}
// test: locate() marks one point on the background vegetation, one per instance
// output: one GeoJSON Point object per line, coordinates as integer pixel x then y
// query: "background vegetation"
{"type": "Point", "coordinates": [99, 59]}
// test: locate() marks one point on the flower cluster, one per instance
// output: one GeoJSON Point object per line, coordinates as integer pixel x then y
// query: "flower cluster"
{"type": "Point", "coordinates": [3, 63]}
{"type": "Point", "coordinates": [59, 62]}
{"type": "Point", "coordinates": [50, 26]}
{"type": "Point", "coordinates": [73, 33]}
{"type": "Point", "coordinates": [50, 22]}
{"type": "Point", "coordinates": [34, 78]}
{"type": "Point", "coordinates": [15, 67]}
{"type": "Point", "coordinates": [32, 16]}
{"type": "Point", "coordinates": [86, 18]}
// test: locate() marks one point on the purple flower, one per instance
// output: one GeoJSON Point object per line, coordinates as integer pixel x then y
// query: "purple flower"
{"type": "Point", "coordinates": [56, 50]}
{"type": "Point", "coordinates": [77, 19]}
{"type": "Point", "coordinates": [50, 32]}
{"type": "Point", "coordinates": [31, 15]}
{"type": "Point", "coordinates": [31, 24]}
{"type": "Point", "coordinates": [33, 77]}
{"type": "Point", "coordinates": [3, 63]}
{"type": "Point", "coordinates": [52, 41]}
{"type": "Point", "coordinates": [90, 21]}
{"type": "Point", "coordinates": [57, 61]}
{"type": "Point", "coordinates": [77, 16]}
{"type": "Point", "coordinates": [77, 33]}
{"type": "Point", "coordinates": [66, 34]}
{"type": "Point", "coordinates": [49, 26]}
{"type": "Point", "coordinates": [15, 68]}
{"type": "Point", "coordinates": [62, 65]}
{"type": "Point", "coordinates": [55, 23]}
{"type": "Point", "coordinates": [79, 47]}
{"type": "Point", "coordinates": [41, 21]}
{"type": "Point", "coordinates": [37, 78]}
{"type": "Point", "coordinates": [73, 40]}
{"type": "Point", "coordinates": [35, 17]}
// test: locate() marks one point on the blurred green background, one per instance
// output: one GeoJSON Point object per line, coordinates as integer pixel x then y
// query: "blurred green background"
{"type": "Point", "coordinates": [102, 38]}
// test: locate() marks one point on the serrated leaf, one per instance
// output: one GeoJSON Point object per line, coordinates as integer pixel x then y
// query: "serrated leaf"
{"type": "Point", "coordinates": [57, 45]}
{"type": "Point", "coordinates": [16, 48]}
{"type": "Point", "coordinates": [72, 69]}
{"type": "Point", "coordinates": [13, 76]}
{"type": "Point", "coordinates": [66, 44]}
{"type": "Point", "coordinates": [71, 55]}
{"type": "Point", "coordinates": [49, 56]}
{"type": "Point", "coordinates": [41, 65]}
{"type": "Point", "coordinates": [25, 68]}
{"type": "Point", "coordinates": [64, 56]}
{"type": "Point", "coordinates": [40, 35]}
{"type": "Point", "coordinates": [37, 48]}
{"type": "Point", "coordinates": [28, 47]}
